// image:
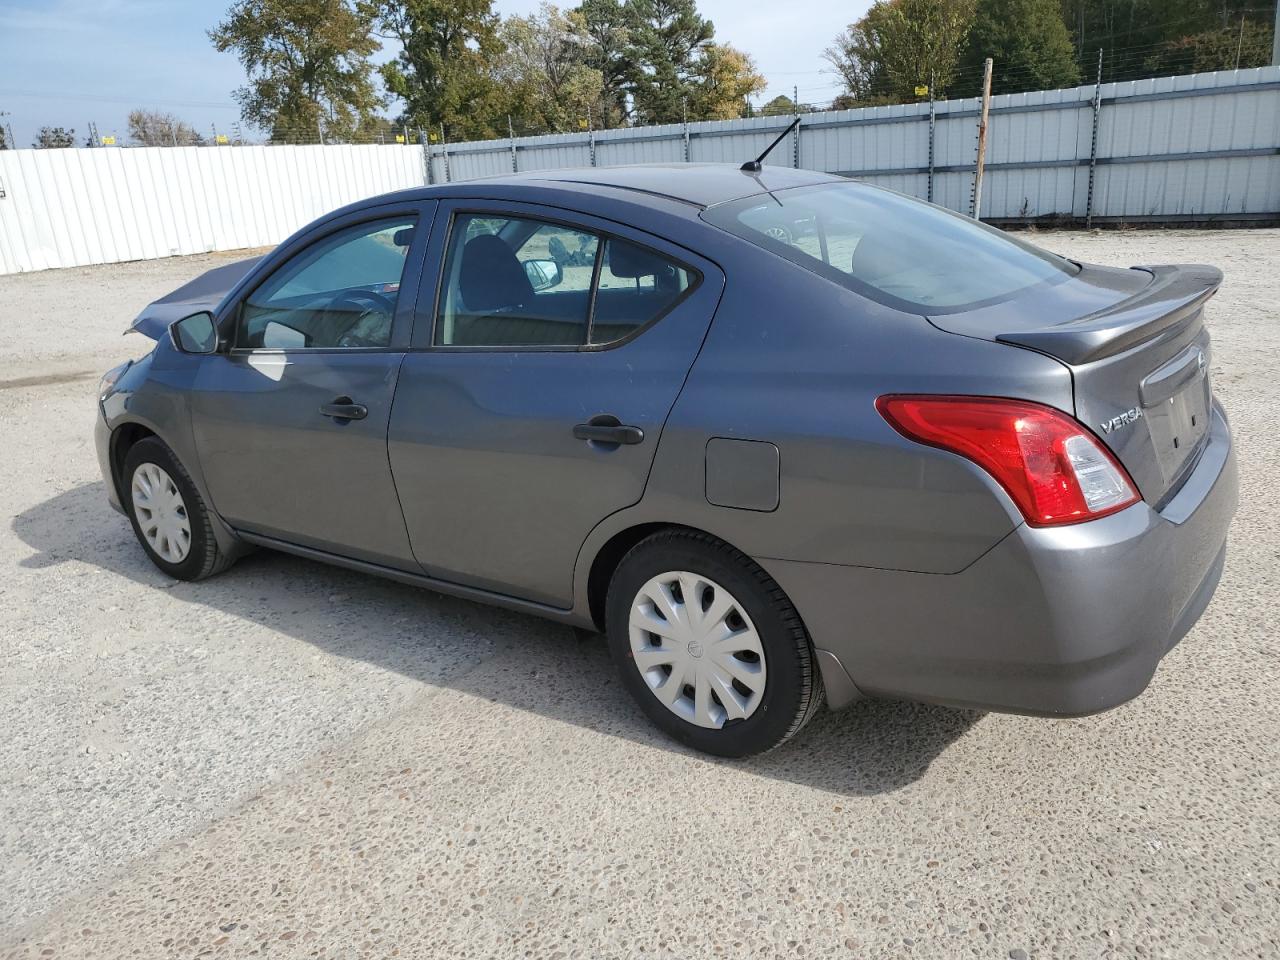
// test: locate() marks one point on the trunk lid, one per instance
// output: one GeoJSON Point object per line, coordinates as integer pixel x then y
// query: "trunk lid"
{"type": "Point", "coordinates": [1138, 352]}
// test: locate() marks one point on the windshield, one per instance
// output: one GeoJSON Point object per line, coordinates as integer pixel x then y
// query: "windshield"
{"type": "Point", "coordinates": [903, 252]}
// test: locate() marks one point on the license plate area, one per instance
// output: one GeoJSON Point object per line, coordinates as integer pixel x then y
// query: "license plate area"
{"type": "Point", "coordinates": [1179, 425]}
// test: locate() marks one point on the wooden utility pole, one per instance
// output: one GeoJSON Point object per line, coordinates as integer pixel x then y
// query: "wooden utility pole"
{"type": "Point", "coordinates": [976, 212]}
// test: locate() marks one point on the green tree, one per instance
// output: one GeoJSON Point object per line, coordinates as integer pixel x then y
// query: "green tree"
{"type": "Point", "coordinates": [784, 106]}
{"type": "Point", "coordinates": [900, 45]}
{"type": "Point", "coordinates": [1243, 44]}
{"type": "Point", "coordinates": [444, 71]}
{"type": "Point", "coordinates": [1029, 43]}
{"type": "Point", "coordinates": [50, 138]}
{"type": "Point", "coordinates": [666, 37]}
{"type": "Point", "coordinates": [779, 106]}
{"type": "Point", "coordinates": [610, 52]}
{"type": "Point", "coordinates": [725, 78]}
{"type": "Point", "coordinates": [544, 72]}
{"type": "Point", "coordinates": [307, 62]}
{"type": "Point", "coordinates": [382, 130]}
{"type": "Point", "coordinates": [4, 139]}
{"type": "Point", "coordinates": [1143, 38]}
{"type": "Point", "coordinates": [153, 128]}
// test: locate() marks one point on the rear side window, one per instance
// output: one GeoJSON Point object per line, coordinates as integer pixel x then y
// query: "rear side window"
{"type": "Point", "coordinates": [636, 287]}
{"type": "Point", "coordinates": [903, 252]}
{"type": "Point", "coordinates": [520, 282]}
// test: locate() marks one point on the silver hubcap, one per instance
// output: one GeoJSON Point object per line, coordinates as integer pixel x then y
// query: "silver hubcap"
{"type": "Point", "coordinates": [162, 516]}
{"type": "Point", "coordinates": [697, 649]}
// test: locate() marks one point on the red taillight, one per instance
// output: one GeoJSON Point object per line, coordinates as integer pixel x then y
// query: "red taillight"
{"type": "Point", "coordinates": [1052, 467]}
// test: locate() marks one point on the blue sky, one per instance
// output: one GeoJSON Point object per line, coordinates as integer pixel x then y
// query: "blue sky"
{"type": "Point", "coordinates": [66, 62]}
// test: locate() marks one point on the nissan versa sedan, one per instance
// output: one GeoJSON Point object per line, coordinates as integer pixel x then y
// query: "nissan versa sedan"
{"type": "Point", "coordinates": [895, 454]}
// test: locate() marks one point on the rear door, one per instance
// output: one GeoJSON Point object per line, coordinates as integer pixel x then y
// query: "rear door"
{"type": "Point", "coordinates": [531, 406]}
{"type": "Point", "coordinates": [291, 422]}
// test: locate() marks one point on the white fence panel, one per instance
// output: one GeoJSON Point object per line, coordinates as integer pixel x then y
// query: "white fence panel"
{"type": "Point", "coordinates": [73, 207]}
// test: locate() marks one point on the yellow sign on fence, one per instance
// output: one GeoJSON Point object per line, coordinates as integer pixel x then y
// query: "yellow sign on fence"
{"type": "Point", "coordinates": [399, 138]}
{"type": "Point", "coordinates": [108, 141]}
{"type": "Point", "coordinates": [922, 91]}
{"type": "Point", "coordinates": [221, 139]}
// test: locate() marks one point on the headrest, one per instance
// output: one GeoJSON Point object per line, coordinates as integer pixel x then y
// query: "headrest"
{"type": "Point", "coordinates": [492, 277]}
{"type": "Point", "coordinates": [627, 260]}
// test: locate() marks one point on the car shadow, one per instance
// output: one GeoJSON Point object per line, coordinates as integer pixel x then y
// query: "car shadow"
{"type": "Point", "coordinates": [871, 747]}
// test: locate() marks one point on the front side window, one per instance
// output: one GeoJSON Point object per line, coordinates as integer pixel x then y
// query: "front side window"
{"type": "Point", "coordinates": [909, 254]}
{"type": "Point", "coordinates": [520, 282]}
{"type": "Point", "coordinates": [340, 292]}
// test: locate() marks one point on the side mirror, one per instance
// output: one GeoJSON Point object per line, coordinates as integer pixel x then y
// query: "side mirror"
{"type": "Point", "coordinates": [543, 274]}
{"type": "Point", "coordinates": [195, 334]}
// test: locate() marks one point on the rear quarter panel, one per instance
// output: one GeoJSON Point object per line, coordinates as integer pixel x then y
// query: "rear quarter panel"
{"type": "Point", "coordinates": [797, 361]}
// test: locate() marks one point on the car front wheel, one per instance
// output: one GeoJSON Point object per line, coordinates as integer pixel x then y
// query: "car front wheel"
{"type": "Point", "coordinates": [709, 645]}
{"type": "Point", "coordinates": [169, 517]}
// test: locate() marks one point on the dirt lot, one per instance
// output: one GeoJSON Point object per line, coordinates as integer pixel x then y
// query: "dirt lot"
{"type": "Point", "coordinates": [292, 759]}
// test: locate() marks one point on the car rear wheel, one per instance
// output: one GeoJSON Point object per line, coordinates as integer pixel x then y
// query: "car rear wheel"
{"type": "Point", "coordinates": [169, 517]}
{"type": "Point", "coordinates": [709, 645]}
{"type": "Point", "coordinates": [780, 233]}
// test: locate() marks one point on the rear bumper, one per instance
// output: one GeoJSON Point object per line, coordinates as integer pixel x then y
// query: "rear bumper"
{"type": "Point", "coordinates": [1056, 621]}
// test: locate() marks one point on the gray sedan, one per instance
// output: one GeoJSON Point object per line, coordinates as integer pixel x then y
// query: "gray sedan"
{"type": "Point", "coordinates": [896, 453]}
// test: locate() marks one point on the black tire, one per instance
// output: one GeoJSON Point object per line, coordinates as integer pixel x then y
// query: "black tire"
{"type": "Point", "coordinates": [781, 233]}
{"type": "Point", "coordinates": [203, 558]}
{"type": "Point", "coordinates": [793, 689]}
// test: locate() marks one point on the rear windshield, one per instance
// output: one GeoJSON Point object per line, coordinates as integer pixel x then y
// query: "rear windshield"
{"type": "Point", "coordinates": [903, 252]}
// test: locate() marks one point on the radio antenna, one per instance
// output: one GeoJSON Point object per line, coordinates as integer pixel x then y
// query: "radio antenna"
{"type": "Point", "coordinates": [756, 165]}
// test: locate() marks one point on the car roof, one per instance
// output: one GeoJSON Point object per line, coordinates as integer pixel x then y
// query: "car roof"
{"type": "Point", "coordinates": [700, 184]}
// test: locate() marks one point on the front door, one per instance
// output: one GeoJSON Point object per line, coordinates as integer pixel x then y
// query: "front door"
{"type": "Point", "coordinates": [532, 407]}
{"type": "Point", "coordinates": [291, 422]}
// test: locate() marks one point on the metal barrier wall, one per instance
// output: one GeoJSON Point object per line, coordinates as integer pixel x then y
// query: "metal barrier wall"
{"type": "Point", "coordinates": [1201, 147]}
{"type": "Point", "coordinates": [1196, 147]}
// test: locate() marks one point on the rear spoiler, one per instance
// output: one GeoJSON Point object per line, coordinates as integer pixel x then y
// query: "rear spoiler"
{"type": "Point", "coordinates": [1172, 300]}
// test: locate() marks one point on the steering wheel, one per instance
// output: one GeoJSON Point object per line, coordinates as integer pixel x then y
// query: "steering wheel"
{"type": "Point", "coordinates": [372, 324]}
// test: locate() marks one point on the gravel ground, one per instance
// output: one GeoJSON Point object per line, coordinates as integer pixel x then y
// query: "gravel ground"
{"type": "Point", "coordinates": [292, 759]}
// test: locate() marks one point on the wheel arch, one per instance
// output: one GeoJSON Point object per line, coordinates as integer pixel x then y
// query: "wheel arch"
{"type": "Point", "coordinates": [123, 439]}
{"type": "Point", "coordinates": [606, 560]}
{"type": "Point", "coordinates": [841, 689]}
{"type": "Point", "coordinates": [125, 436]}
